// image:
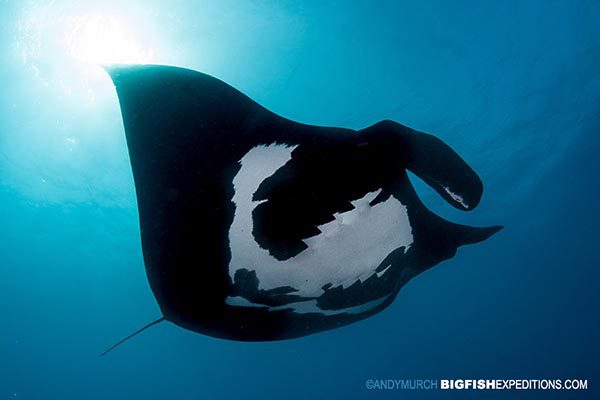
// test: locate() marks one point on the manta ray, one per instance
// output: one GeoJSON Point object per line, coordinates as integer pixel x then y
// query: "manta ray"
{"type": "Point", "coordinates": [258, 228]}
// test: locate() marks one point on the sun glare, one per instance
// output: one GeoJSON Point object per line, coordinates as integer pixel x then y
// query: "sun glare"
{"type": "Point", "coordinates": [64, 45]}
{"type": "Point", "coordinates": [104, 39]}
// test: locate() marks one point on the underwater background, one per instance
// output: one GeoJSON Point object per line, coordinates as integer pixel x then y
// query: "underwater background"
{"type": "Point", "coordinates": [512, 86]}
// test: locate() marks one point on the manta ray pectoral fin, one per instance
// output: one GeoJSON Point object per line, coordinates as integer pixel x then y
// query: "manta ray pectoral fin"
{"type": "Point", "coordinates": [433, 161]}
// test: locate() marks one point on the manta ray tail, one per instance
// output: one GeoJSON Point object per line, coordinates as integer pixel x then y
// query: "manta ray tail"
{"type": "Point", "coordinates": [161, 319]}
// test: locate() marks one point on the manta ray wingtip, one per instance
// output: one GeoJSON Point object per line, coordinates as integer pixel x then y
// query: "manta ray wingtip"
{"type": "Point", "coordinates": [113, 71]}
{"type": "Point", "coordinates": [477, 235]}
{"type": "Point", "coordinates": [110, 68]}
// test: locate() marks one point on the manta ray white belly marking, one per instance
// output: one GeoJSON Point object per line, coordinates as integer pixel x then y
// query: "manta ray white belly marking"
{"type": "Point", "coordinates": [349, 248]}
{"type": "Point", "coordinates": [307, 307]}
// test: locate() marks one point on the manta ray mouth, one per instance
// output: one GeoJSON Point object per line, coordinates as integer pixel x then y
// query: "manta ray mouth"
{"type": "Point", "coordinates": [346, 218]}
{"type": "Point", "coordinates": [324, 225]}
{"type": "Point", "coordinates": [286, 236]}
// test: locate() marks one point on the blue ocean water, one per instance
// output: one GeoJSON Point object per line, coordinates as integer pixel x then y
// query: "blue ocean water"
{"type": "Point", "coordinates": [513, 86]}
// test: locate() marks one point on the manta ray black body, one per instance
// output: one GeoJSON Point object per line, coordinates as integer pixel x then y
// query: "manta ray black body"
{"type": "Point", "coordinates": [257, 228]}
